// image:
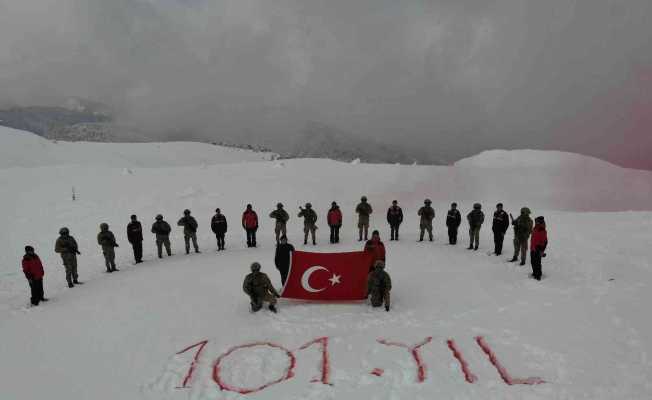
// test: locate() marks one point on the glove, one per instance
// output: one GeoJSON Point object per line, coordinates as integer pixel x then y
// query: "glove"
{"type": "Point", "coordinates": [543, 255]}
{"type": "Point", "coordinates": [77, 252]}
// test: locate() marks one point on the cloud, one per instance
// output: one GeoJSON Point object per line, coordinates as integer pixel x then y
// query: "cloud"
{"type": "Point", "coordinates": [449, 76]}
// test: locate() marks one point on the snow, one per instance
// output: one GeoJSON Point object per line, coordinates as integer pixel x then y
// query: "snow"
{"type": "Point", "coordinates": [584, 329]}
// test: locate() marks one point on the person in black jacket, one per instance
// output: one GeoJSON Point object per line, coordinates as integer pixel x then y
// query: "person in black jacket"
{"type": "Point", "coordinates": [282, 258]}
{"type": "Point", "coordinates": [135, 237]}
{"type": "Point", "coordinates": [499, 227]}
{"type": "Point", "coordinates": [476, 219]}
{"type": "Point", "coordinates": [219, 226]}
{"type": "Point", "coordinates": [453, 221]}
{"type": "Point", "coordinates": [394, 218]}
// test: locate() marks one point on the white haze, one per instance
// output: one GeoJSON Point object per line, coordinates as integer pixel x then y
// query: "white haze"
{"type": "Point", "coordinates": [445, 76]}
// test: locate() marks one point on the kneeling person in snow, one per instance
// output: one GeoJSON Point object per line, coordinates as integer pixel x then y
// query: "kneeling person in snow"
{"type": "Point", "coordinates": [106, 239]}
{"type": "Point", "coordinates": [379, 284]}
{"type": "Point", "coordinates": [259, 289]}
{"type": "Point", "coordinates": [538, 245]}
{"type": "Point", "coordinates": [33, 269]}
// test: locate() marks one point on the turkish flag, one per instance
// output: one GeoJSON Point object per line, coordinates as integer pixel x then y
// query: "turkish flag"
{"type": "Point", "coordinates": [328, 276]}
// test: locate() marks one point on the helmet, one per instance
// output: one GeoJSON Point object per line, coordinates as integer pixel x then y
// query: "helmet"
{"type": "Point", "coordinates": [375, 233]}
{"type": "Point", "coordinates": [249, 207]}
{"type": "Point", "coordinates": [255, 267]}
{"type": "Point", "coordinates": [133, 217]}
{"type": "Point", "coordinates": [394, 202]}
{"type": "Point", "coordinates": [477, 206]}
{"type": "Point", "coordinates": [333, 204]}
{"type": "Point", "coordinates": [64, 231]}
{"type": "Point", "coordinates": [279, 205]}
{"type": "Point", "coordinates": [427, 201]}
{"type": "Point", "coordinates": [363, 198]}
{"type": "Point", "coordinates": [540, 220]}
{"type": "Point", "coordinates": [308, 205]}
{"type": "Point", "coordinates": [453, 205]}
{"type": "Point", "coordinates": [104, 226]}
{"type": "Point", "coordinates": [186, 212]}
{"type": "Point", "coordinates": [29, 249]}
{"type": "Point", "coordinates": [525, 210]}
{"type": "Point", "coordinates": [217, 210]}
{"type": "Point", "coordinates": [499, 205]}
{"type": "Point", "coordinates": [380, 264]}
{"type": "Point", "coordinates": [159, 217]}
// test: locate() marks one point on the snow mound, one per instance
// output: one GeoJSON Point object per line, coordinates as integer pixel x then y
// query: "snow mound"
{"type": "Point", "coordinates": [27, 150]}
{"type": "Point", "coordinates": [530, 159]}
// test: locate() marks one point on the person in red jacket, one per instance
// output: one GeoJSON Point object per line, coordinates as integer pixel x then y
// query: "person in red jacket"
{"type": "Point", "coordinates": [376, 247]}
{"type": "Point", "coordinates": [33, 269]}
{"type": "Point", "coordinates": [334, 219]}
{"type": "Point", "coordinates": [250, 224]}
{"type": "Point", "coordinates": [538, 244]}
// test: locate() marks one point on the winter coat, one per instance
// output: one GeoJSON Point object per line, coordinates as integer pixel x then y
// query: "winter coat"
{"type": "Point", "coordinates": [394, 215]}
{"type": "Point", "coordinates": [500, 222]}
{"type": "Point", "coordinates": [309, 216]}
{"type": "Point", "coordinates": [218, 223]}
{"type": "Point", "coordinates": [539, 240]}
{"type": "Point", "coordinates": [377, 248]}
{"type": "Point", "coordinates": [258, 285]}
{"type": "Point", "coordinates": [282, 256]}
{"type": "Point", "coordinates": [106, 239]}
{"type": "Point", "coordinates": [32, 267]}
{"type": "Point", "coordinates": [189, 224]}
{"type": "Point", "coordinates": [334, 217]}
{"type": "Point", "coordinates": [280, 215]}
{"type": "Point", "coordinates": [364, 209]}
{"type": "Point", "coordinates": [162, 229]}
{"type": "Point", "coordinates": [523, 226]}
{"type": "Point", "coordinates": [475, 218]}
{"type": "Point", "coordinates": [66, 244]}
{"type": "Point", "coordinates": [453, 218]}
{"type": "Point", "coordinates": [427, 214]}
{"type": "Point", "coordinates": [134, 232]}
{"type": "Point", "coordinates": [250, 219]}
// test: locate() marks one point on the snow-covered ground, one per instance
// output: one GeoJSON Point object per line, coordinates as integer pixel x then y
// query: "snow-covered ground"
{"type": "Point", "coordinates": [584, 329]}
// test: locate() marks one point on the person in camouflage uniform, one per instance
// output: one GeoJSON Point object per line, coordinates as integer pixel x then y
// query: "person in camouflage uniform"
{"type": "Point", "coordinates": [190, 226]}
{"type": "Point", "coordinates": [427, 214]}
{"type": "Point", "coordinates": [66, 245]}
{"type": "Point", "coordinates": [379, 285]}
{"type": "Point", "coordinates": [476, 219]}
{"type": "Point", "coordinates": [499, 227]}
{"type": "Point", "coordinates": [453, 221]}
{"type": "Point", "coordinates": [522, 230]}
{"type": "Point", "coordinates": [259, 289]}
{"type": "Point", "coordinates": [162, 231]}
{"type": "Point", "coordinates": [309, 219]}
{"type": "Point", "coordinates": [106, 239]}
{"type": "Point", "coordinates": [282, 217]}
{"type": "Point", "coordinates": [364, 210]}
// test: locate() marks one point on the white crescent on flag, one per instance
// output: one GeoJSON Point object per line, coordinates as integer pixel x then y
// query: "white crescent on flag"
{"type": "Point", "coordinates": [306, 278]}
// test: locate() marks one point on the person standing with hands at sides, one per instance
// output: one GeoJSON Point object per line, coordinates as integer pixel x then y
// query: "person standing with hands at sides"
{"type": "Point", "coordinates": [499, 227]}
{"type": "Point", "coordinates": [162, 231]}
{"type": "Point", "coordinates": [190, 226]}
{"type": "Point", "coordinates": [334, 219]}
{"type": "Point", "coordinates": [250, 225]}
{"type": "Point", "coordinates": [376, 248]}
{"type": "Point", "coordinates": [522, 230]}
{"type": "Point", "coordinates": [309, 220]}
{"type": "Point", "coordinates": [33, 269]}
{"type": "Point", "coordinates": [538, 245]}
{"type": "Point", "coordinates": [364, 211]}
{"type": "Point", "coordinates": [476, 219]}
{"type": "Point", "coordinates": [453, 221]}
{"type": "Point", "coordinates": [66, 245]}
{"type": "Point", "coordinates": [106, 239]}
{"type": "Point", "coordinates": [427, 214]}
{"type": "Point", "coordinates": [219, 227]}
{"type": "Point", "coordinates": [394, 219]}
{"type": "Point", "coordinates": [283, 257]}
{"type": "Point", "coordinates": [281, 216]}
{"type": "Point", "coordinates": [135, 237]}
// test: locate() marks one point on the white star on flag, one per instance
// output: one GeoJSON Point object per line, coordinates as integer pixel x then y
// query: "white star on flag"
{"type": "Point", "coordinates": [335, 279]}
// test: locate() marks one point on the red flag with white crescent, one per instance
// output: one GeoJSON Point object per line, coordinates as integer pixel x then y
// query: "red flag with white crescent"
{"type": "Point", "coordinates": [328, 276]}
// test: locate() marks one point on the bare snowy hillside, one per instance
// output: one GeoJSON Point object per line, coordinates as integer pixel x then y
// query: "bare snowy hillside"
{"type": "Point", "coordinates": [463, 324]}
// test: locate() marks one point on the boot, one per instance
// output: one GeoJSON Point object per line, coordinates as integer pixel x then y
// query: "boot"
{"type": "Point", "coordinates": [522, 263]}
{"type": "Point", "coordinates": [514, 259]}
{"type": "Point", "coordinates": [109, 270]}
{"type": "Point", "coordinates": [470, 247]}
{"type": "Point", "coordinates": [76, 282]}
{"type": "Point", "coordinates": [272, 308]}
{"type": "Point", "coordinates": [475, 248]}
{"type": "Point", "coordinates": [70, 285]}
{"type": "Point", "coordinates": [115, 269]}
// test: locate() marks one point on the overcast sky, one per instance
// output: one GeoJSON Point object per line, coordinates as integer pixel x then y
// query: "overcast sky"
{"type": "Point", "coordinates": [457, 75]}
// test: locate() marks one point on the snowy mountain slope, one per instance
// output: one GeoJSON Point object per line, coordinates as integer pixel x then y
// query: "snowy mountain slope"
{"type": "Point", "coordinates": [583, 329]}
{"type": "Point", "coordinates": [24, 149]}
